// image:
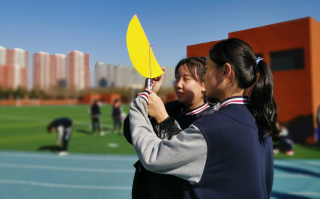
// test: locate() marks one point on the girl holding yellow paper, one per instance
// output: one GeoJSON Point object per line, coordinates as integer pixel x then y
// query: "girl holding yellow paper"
{"type": "Point", "coordinates": [190, 106]}
{"type": "Point", "coordinates": [225, 154]}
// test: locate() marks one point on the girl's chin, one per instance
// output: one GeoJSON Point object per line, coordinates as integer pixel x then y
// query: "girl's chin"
{"type": "Point", "coordinates": [209, 95]}
{"type": "Point", "coordinates": [181, 100]}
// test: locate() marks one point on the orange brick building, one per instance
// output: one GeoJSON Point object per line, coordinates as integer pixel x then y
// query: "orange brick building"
{"type": "Point", "coordinates": [292, 50]}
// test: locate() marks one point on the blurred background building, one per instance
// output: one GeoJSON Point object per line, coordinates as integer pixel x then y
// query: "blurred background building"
{"type": "Point", "coordinates": [115, 76]}
{"type": "Point", "coordinates": [79, 72]}
{"type": "Point", "coordinates": [41, 71]}
{"type": "Point", "coordinates": [61, 71]}
{"type": "Point", "coordinates": [13, 68]}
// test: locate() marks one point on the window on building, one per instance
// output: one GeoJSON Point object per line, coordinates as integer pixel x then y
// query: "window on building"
{"type": "Point", "coordinates": [62, 83]}
{"type": "Point", "coordinates": [103, 82]}
{"type": "Point", "coordinates": [287, 60]}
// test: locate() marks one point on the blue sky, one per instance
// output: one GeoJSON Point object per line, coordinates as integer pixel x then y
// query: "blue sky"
{"type": "Point", "coordinates": [99, 27]}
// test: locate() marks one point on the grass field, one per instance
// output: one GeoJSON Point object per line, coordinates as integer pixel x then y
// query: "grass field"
{"type": "Point", "coordinates": [23, 129]}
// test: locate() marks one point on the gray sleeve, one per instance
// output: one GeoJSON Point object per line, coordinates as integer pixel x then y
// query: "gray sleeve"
{"type": "Point", "coordinates": [184, 155]}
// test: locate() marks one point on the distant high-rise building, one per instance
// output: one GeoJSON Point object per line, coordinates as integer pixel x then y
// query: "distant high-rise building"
{"type": "Point", "coordinates": [42, 71]}
{"type": "Point", "coordinates": [78, 70]}
{"type": "Point", "coordinates": [169, 77]}
{"type": "Point", "coordinates": [102, 79]}
{"type": "Point", "coordinates": [111, 76]}
{"type": "Point", "coordinates": [13, 68]}
{"type": "Point", "coordinates": [59, 70]}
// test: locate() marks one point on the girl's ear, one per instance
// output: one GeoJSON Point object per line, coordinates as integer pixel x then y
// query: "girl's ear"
{"type": "Point", "coordinates": [227, 69]}
{"type": "Point", "coordinates": [203, 88]}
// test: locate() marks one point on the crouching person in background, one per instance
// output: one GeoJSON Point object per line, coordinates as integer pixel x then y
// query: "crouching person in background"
{"type": "Point", "coordinates": [286, 143]}
{"type": "Point", "coordinates": [63, 126]}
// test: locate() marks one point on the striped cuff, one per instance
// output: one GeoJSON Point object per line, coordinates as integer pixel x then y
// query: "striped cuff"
{"type": "Point", "coordinates": [144, 95]}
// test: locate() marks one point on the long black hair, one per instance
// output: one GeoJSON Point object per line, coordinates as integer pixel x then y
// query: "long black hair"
{"type": "Point", "coordinates": [243, 61]}
{"type": "Point", "coordinates": [51, 125]}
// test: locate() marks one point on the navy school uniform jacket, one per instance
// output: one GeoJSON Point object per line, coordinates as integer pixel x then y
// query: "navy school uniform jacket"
{"type": "Point", "coordinates": [152, 185]}
{"type": "Point", "coordinates": [95, 110]}
{"type": "Point", "coordinates": [223, 155]}
{"type": "Point", "coordinates": [65, 122]}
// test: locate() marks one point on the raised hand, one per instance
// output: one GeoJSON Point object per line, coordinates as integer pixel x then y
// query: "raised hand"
{"type": "Point", "coordinates": [156, 82]}
{"type": "Point", "coordinates": [156, 108]}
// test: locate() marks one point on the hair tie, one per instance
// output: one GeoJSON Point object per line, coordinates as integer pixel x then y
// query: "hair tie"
{"type": "Point", "coordinates": [258, 59]}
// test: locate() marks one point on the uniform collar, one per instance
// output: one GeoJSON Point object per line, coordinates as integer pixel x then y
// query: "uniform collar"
{"type": "Point", "coordinates": [197, 110]}
{"type": "Point", "coordinates": [234, 100]}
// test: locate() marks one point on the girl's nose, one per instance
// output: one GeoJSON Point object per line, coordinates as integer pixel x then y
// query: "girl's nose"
{"type": "Point", "coordinates": [178, 83]}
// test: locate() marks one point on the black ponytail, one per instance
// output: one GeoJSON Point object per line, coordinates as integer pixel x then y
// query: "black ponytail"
{"type": "Point", "coordinates": [243, 62]}
{"type": "Point", "coordinates": [262, 104]}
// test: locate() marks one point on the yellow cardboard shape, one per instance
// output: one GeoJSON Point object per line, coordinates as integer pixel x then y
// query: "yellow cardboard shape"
{"type": "Point", "coordinates": [140, 51]}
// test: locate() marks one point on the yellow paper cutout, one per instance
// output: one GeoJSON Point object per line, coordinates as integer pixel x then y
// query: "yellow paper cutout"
{"type": "Point", "coordinates": [140, 51]}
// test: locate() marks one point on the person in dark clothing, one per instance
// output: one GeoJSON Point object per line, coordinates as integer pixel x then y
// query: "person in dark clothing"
{"type": "Point", "coordinates": [225, 154]}
{"type": "Point", "coordinates": [285, 143]}
{"type": "Point", "coordinates": [63, 126]}
{"type": "Point", "coordinates": [190, 106]}
{"type": "Point", "coordinates": [116, 114]}
{"type": "Point", "coordinates": [95, 118]}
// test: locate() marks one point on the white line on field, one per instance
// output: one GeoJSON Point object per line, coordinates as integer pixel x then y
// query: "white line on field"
{"type": "Point", "coordinates": [65, 168]}
{"type": "Point", "coordinates": [292, 176]}
{"type": "Point", "coordinates": [305, 193]}
{"type": "Point", "coordinates": [69, 157]}
{"type": "Point", "coordinates": [291, 163]}
{"type": "Point", "coordinates": [23, 118]}
{"type": "Point", "coordinates": [116, 170]}
{"type": "Point", "coordinates": [312, 163]}
{"type": "Point", "coordinates": [5, 181]}
{"type": "Point", "coordinates": [42, 120]}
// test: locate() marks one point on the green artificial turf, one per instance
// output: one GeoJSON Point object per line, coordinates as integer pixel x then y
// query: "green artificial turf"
{"type": "Point", "coordinates": [301, 152]}
{"type": "Point", "coordinates": [23, 129]}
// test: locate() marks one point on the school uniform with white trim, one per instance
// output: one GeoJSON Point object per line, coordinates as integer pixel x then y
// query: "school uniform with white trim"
{"type": "Point", "coordinates": [152, 185]}
{"type": "Point", "coordinates": [221, 155]}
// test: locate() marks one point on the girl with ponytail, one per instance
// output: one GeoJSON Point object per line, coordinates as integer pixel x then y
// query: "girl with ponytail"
{"type": "Point", "coordinates": [224, 154]}
{"type": "Point", "coordinates": [238, 55]}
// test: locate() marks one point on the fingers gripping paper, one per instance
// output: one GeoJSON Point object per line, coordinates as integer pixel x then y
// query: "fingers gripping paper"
{"type": "Point", "coordinates": [140, 51]}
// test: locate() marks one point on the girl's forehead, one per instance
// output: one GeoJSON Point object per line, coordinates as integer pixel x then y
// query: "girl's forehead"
{"type": "Point", "coordinates": [184, 69]}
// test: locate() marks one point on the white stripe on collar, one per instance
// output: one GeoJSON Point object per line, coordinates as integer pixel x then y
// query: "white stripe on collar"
{"type": "Point", "coordinates": [197, 110]}
{"type": "Point", "coordinates": [235, 100]}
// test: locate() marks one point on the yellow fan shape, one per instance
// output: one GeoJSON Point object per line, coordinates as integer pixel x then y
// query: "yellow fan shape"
{"type": "Point", "coordinates": [140, 51]}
